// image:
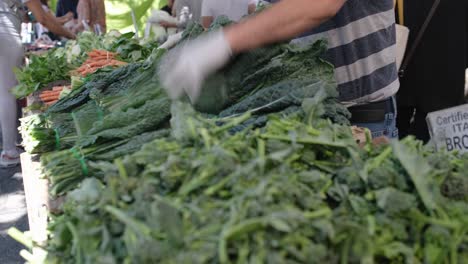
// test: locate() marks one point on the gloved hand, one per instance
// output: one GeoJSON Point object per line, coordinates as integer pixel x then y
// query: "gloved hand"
{"type": "Point", "coordinates": [158, 16]}
{"type": "Point", "coordinates": [171, 41]}
{"type": "Point", "coordinates": [184, 69]}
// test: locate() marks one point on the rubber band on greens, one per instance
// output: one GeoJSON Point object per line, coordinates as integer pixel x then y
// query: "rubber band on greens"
{"type": "Point", "coordinates": [99, 112]}
{"type": "Point", "coordinates": [81, 159]}
{"type": "Point", "coordinates": [57, 139]}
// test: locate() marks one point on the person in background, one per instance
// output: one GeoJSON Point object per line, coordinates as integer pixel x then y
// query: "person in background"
{"type": "Point", "coordinates": [435, 76]}
{"type": "Point", "coordinates": [40, 29]}
{"type": "Point", "coordinates": [63, 7]}
{"type": "Point", "coordinates": [194, 7]}
{"type": "Point", "coordinates": [93, 12]}
{"type": "Point", "coordinates": [233, 9]}
{"type": "Point", "coordinates": [63, 18]}
{"type": "Point", "coordinates": [168, 7]}
{"type": "Point", "coordinates": [11, 56]}
{"type": "Point", "coordinates": [361, 37]}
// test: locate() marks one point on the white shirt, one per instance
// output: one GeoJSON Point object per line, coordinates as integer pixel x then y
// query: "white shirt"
{"type": "Point", "coordinates": [6, 4]}
{"type": "Point", "coordinates": [10, 23]}
{"type": "Point", "coordinates": [234, 9]}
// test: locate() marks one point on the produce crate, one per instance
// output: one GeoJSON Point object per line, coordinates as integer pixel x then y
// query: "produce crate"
{"type": "Point", "coordinates": [37, 197]}
{"type": "Point", "coordinates": [38, 201]}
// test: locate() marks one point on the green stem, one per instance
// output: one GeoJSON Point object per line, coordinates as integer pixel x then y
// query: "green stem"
{"type": "Point", "coordinates": [428, 220]}
{"type": "Point", "coordinates": [380, 159]}
{"type": "Point", "coordinates": [121, 167]}
{"type": "Point", "coordinates": [215, 188]}
{"type": "Point", "coordinates": [245, 227]}
{"type": "Point", "coordinates": [222, 251]}
{"type": "Point", "coordinates": [76, 241]}
{"type": "Point", "coordinates": [345, 251]}
{"type": "Point", "coordinates": [132, 223]}
{"type": "Point", "coordinates": [233, 122]}
{"type": "Point", "coordinates": [324, 212]}
{"type": "Point", "coordinates": [303, 141]}
{"type": "Point", "coordinates": [20, 237]}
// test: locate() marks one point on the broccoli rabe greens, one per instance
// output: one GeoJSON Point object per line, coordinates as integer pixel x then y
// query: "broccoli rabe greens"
{"type": "Point", "coordinates": [299, 190]}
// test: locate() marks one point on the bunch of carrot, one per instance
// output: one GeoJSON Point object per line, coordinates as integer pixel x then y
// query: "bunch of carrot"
{"type": "Point", "coordinates": [98, 59]}
{"type": "Point", "coordinates": [50, 97]}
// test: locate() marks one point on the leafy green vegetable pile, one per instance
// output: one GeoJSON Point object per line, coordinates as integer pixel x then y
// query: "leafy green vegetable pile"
{"type": "Point", "coordinates": [297, 191]}
{"type": "Point", "coordinates": [40, 71]}
{"type": "Point", "coordinates": [57, 63]}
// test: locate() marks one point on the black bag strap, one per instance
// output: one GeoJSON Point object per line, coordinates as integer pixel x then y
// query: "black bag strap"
{"type": "Point", "coordinates": [418, 39]}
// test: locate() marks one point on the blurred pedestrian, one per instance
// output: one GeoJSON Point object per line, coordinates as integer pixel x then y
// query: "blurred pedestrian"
{"type": "Point", "coordinates": [11, 56]}
{"type": "Point", "coordinates": [92, 14]}
{"type": "Point", "coordinates": [64, 7]}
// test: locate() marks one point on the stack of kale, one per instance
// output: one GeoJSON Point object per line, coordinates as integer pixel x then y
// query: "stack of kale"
{"type": "Point", "coordinates": [112, 115]}
{"type": "Point", "coordinates": [115, 112]}
{"type": "Point", "coordinates": [298, 190]}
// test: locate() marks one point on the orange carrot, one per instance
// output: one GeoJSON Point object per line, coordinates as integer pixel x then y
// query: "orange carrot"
{"type": "Point", "coordinates": [50, 92]}
{"type": "Point", "coordinates": [48, 97]}
{"type": "Point", "coordinates": [98, 63]}
{"type": "Point", "coordinates": [50, 100]}
{"type": "Point", "coordinates": [89, 71]}
{"type": "Point", "coordinates": [53, 90]}
{"type": "Point", "coordinates": [101, 58]}
{"type": "Point", "coordinates": [93, 53]}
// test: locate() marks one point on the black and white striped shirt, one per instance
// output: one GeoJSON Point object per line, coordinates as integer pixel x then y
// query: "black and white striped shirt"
{"type": "Point", "coordinates": [362, 47]}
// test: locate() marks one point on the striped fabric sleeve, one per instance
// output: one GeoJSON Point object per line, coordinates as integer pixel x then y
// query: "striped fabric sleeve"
{"type": "Point", "coordinates": [362, 47]}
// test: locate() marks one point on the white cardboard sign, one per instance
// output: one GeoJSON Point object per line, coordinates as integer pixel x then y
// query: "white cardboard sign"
{"type": "Point", "coordinates": [449, 128]}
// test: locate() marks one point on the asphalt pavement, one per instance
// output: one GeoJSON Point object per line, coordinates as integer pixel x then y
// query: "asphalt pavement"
{"type": "Point", "coordinates": [13, 213]}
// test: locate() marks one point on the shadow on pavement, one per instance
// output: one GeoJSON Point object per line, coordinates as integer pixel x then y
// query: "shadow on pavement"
{"type": "Point", "coordinates": [13, 213]}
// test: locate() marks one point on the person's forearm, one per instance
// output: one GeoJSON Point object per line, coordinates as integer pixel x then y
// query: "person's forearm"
{"type": "Point", "coordinates": [51, 23]}
{"type": "Point", "coordinates": [169, 25]}
{"type": "Point", "coordinates": [282, 21]}
{"type": "Point", "coordinates": [63, 19]}
{"type": "Point", "coordinates": [48, 20]}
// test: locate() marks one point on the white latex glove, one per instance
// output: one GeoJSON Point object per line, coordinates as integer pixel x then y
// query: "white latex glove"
{"type": "Point", "coordinates": [158, 16]}
{"type": "Point", "coordinates": [185, 68]}
{"type": "Point", "coordinates": [171, 41]}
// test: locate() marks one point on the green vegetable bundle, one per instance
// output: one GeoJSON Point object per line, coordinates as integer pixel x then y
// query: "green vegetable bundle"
{"type": "Point", "coordinates": [41, 135]}
{"type": "Point", "coordinates": [66, 169]}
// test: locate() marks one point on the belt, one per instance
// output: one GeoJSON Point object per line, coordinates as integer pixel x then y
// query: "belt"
{"type": "Point", "coordinates": [371, 112]}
